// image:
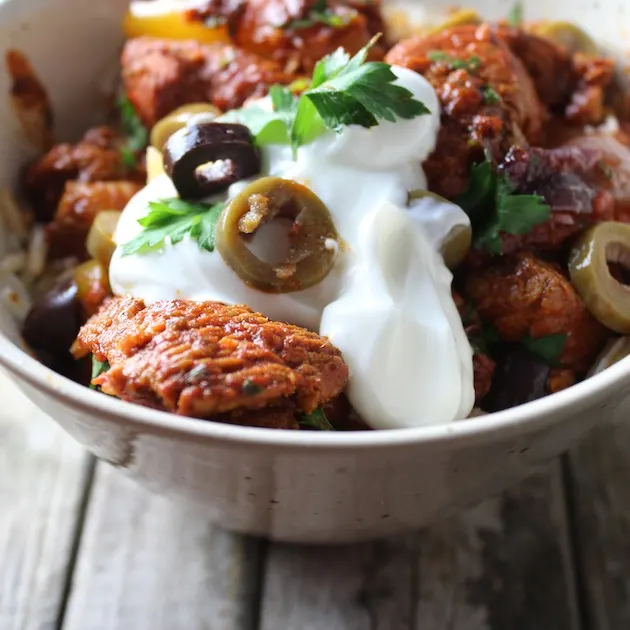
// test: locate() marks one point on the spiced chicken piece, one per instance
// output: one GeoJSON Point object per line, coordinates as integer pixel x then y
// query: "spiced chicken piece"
{"type": "Point", "coordinates": [161, 75]}
{"type": "Point", "coordinates": [488, 100]}
{"type": "Point", "coordinates": [203, 359]}
{"type": "Point", "coordinates": [523, 296]}
{"type": "Point", "coordinates": [299, 33]}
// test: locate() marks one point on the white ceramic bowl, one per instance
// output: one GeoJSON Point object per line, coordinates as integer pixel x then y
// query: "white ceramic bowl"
{"type": "Point", "coordinates": [296, 486]}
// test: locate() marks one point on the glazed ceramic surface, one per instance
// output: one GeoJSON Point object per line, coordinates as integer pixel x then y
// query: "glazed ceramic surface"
{"type": "Point", "coordinates": [295, 486]}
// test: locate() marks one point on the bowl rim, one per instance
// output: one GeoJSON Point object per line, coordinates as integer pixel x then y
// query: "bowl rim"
{"type": "Point", "coordinates": [524, 418]}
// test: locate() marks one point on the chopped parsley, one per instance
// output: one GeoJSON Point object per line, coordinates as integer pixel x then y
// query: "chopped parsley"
{"type": "Point", "coordinates": [493, 208]}
{"type": "Point", "coordinates": [320, 14]}
{"type": "Point", "coordinates": [548, 348]}
{"type": "Point", "coordinates": [98, 368]}
{"type": "Point", "coordinates": [472, 64]}
{"type": "Point", "coordinates": [343, 91]}
{"type": "Point", "coordinates": [490, 96]}
{"type": "Point", "coordinates": [136, 134]}
{"type": "Point", "coordinates": [516, 14]}
{"type": "Point", "coordinates": [215, 21]}
{"type": "Point", "coordinates": [249, 388]}
{"type": "Point", "coordinates": [605, 169]}
{"type": "Point", "coordinates": [172, 220]}
{"type": "Point", "coordinates": [316, 420]}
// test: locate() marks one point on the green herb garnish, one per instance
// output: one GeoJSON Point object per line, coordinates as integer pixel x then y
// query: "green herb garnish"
{"type": "Point", "coordinates": [249, 388]}
{"type": "Point", "coordinates": [515, 15]}
{"type": "Point", "coordinates": [548, 348]}
{"type": "Point", "coordinates": [136, 134]}
{"type": "Point", "coordinates": [173, 220]}
{"type": "Point", "coordinates": [472, 64]}
{"type": "Point", "coordinates": [490, 96]}
{"type": "Point", "coordinates": [343, 91]}
{"type": "Point", "coordinates": [98, 368]}
{"type": "Point", "coordinates": [605, 169]}
{"type": "Point", "coordinates": [493, 208]}
{"type": "Point", "coordinates": [214, 21]}
{"type": "Point", "coordinates": [319, 14]}
{"type": "Point", "coordinates": [315, 420]}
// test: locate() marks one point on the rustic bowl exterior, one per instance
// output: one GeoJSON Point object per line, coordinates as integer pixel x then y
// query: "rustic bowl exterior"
{"type": "Point", "coordinates": [293, 486]}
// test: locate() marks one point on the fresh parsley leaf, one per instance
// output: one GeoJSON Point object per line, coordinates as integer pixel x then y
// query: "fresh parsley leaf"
{"type": "Point", "coordinates": [343, 91]}
{"type": "Point", "coordinates": [320, 14]}
{"type": "Point", "coordinates": [329, 66]}
{"type": "Point", "coordinates": [515, 15]}
{"type": "Point", "coordinates": [480, 191]}
{"type": "Point", "coordinates": [266, 127]}
{"type": "Point", "coordinates": [548, 348]}
{"type": "Point", "coordinates": [214, 21]}
{"type": "Point", "coordinates": [316, 420]}
{"type": "Point", "coordinates": [136, 134]}
{"type": "Point", "coordinates": [605, 169]}
{"type": "Point", "coordinates": [515, 214]}
{"type": "Point", "coordinates": [472, 64]}
{"type": "Point", "coordinates": [493, 208]}
{"type": "Point", "coordinates": [358, 93]}
{"type": "Point", "coordinates": [282, 99]}
{"type": "Point", "coordinates": [518, 214]}
{"type": "Point", "coordinates": [98, 368]}
{"type": "Point", "coordinates": [172, 220]}
{"type": "Point", "coordinates": [490, 96]}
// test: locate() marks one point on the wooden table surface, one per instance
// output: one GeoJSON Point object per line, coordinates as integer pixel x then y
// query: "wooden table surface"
{"type": "Point", "coordinates": [83, 548]}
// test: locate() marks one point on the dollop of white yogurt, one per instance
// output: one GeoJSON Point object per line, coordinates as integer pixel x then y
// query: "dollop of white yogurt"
{"type": "Point", "coordinates": [387, 302]}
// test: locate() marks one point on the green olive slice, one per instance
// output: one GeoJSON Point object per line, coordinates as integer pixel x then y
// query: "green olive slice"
{"type": "Point", "coordinates": [179, 118]}
{"type": "Point", "coordinates": [570, 36]}
{"type": "Point", "coordinates": [312, 238]}
{"type": "Point", "coordinates": [457, 242]}
{"type": "Point", "coordinates": [100, 240]}
{"type": "Point", "coordinates": [606, 298]}
{"type": "Point", "coordinates": [456, 246]}
{"type": "Point", "coordinates": [457, 18]}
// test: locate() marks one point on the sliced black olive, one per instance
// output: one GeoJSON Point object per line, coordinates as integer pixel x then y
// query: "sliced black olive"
{"type": "Point", "coordinates": [520, 377]}
{"type": "Point", "coordinates": [54, 320]}
{"type": "Point", "coordinates": [205, 159]}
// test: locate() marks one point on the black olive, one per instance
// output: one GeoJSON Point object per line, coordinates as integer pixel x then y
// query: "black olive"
{"type": "Point", "coordinates": [225, 151]}
{"type": "Point", "coordinates": [53, 322]}
{"type": "Point", "coordinates": [520, 377]}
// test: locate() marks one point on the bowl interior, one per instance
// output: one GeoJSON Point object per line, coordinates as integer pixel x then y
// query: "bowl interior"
{"type": "Point", "coordinates": [77, 62]}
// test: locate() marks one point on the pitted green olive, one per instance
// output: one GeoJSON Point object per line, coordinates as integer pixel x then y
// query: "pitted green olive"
{"type": "Point", "coordinates": [457, 18]}
{"type": "Point", "coordinates": [456, 246]}
{"type": "Point", "coordinates": [606, 298]}
{"type": "Point", "coordinates": [313, 240]}
{"type": "Point", "coordinates": [570, 36]}
{"type": "Point", "coordinates": [100, 241]}
{"type": "Point", "coordinates": [180, 117]}
{"type": "Point", "coordinates": [457, 242]}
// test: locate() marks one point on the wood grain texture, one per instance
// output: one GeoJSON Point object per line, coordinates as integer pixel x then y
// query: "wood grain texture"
{"type": "Point", "coordinates": [505, 564]}
{"type": "Point", "coordinates": [146, 563]}
{"type": "Point", "coordinates": [42, 480]}
{"type": "Point", "coordinates": [599, 470]}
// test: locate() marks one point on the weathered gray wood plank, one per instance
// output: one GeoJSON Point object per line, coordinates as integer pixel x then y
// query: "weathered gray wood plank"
{"type": "Point", "coordinates": [599, 471]}
{"type": "Point", "coordinates": [146, 563]}
{"type": "Point", "coordinates": [42, 480]}
{"type": "Point", "coordinates": [505, 564]}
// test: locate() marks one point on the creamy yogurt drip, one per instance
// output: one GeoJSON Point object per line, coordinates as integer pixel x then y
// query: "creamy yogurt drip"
{"type": "Point", "coordinates": [387, 302]}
